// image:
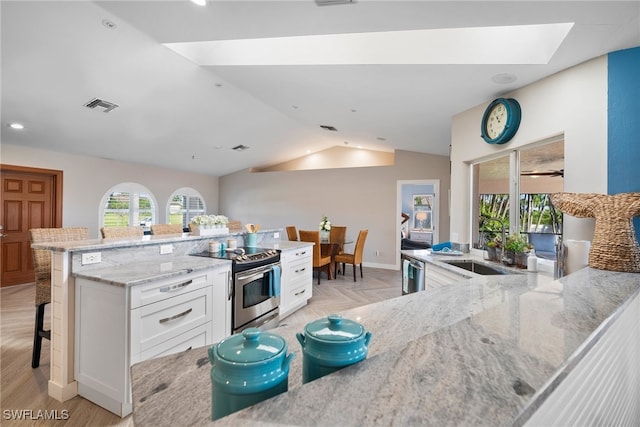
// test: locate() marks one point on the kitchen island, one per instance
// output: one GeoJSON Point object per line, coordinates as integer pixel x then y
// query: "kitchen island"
{"type": "Point", "coordinates": [122, 262]}
{"type": "Point", "coordinates": [488, 350]}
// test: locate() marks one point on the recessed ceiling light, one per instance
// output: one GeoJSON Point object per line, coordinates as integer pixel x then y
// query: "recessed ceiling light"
{"type": "Point", "coordinates": [504, 78]}
{"type": "Point", "coordinates": [200, 2]}
{"type": "Point", "coordinates": [217, 147]}
{"type": "Point", "coordinates": [327, 127]}
{"type": "Point", "coordinates": [240, 147]}
{"type": "Point", "coordinates": [16, 126]}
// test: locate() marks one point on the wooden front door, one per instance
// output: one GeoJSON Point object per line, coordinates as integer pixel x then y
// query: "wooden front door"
{"type": "Point", "coordinates": [30, 198]}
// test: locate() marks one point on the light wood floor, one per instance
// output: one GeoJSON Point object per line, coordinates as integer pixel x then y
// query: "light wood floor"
{"type": "Point", "coordinates": [24, 389]}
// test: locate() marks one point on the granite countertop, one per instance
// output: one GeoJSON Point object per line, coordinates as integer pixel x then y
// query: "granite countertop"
{"type": "Point", "coordinates": [162, 267]}
{"type": "Point", "coordinates": [137, 273]}
{"type": "Point", "coordinates": [97, 244]}
{"type": "Point", "coordinates": [484, 351]}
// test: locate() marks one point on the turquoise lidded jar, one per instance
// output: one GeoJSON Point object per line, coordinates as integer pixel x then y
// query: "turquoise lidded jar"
{"type": "Point", "coordinates": [330, 344]}
{"type": "Point", "coordinates": [247, 368]}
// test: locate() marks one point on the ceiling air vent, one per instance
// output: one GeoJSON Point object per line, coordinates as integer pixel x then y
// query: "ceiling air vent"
{"type": "Point", "coordinates": [332, 2]}
{"type": "Point", "coordinates": [240, 147]}
{"type": "Point", "coordinates": [101, 103]}
{"type": "Point", "coordinates": [327, 127]}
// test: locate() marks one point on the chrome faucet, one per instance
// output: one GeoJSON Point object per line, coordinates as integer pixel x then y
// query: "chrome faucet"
{"type": "Point", "coordinates": [504, 234]}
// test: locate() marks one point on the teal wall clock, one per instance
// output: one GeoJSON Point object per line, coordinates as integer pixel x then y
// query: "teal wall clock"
{"type": "Point", "coordinates": [501, 120]}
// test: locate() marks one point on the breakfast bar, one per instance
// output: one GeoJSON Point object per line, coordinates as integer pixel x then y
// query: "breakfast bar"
{"type": "Point", "coordinates": [489, 350]}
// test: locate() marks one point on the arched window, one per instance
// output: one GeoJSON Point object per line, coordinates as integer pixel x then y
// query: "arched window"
{"type": "Point", "coordinates": [128, 204]}
{"type": "Point", "coordinates": [184, 204]}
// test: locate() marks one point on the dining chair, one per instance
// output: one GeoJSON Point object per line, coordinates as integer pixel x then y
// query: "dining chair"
{"type": "Point", "coordinates": [110, 232]}
{"type": "Point", "coordinates": [337, 236]}
{"type": "Point", "coordinates": [355, 257]}
{"type": "Point", "coordinates": [292, 233]}
{"type": "Point", "coordinates": [166, 229]}
{"type": "Point", "coordinates": [320, 262]}
{"type": "Point", "coordinates": [42, 269]}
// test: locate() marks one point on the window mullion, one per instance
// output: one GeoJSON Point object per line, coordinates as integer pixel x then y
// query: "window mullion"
{"type": "Point", "coordinates": [514, 192]}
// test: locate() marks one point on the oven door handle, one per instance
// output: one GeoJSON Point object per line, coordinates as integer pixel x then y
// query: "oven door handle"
{"type": "Point", "coordinates": [229, 286]}
{"type": "Point", "coordinates": [255, 272]}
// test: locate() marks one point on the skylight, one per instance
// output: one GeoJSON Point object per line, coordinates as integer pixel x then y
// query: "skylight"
{"type": "Point", "coordinates": [519, 44]}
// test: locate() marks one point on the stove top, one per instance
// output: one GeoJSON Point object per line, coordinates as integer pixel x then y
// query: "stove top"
{"type": "Point", "coordinates": [245, 256]}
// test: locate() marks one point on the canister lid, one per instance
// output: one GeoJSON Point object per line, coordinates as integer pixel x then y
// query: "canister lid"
{"type": "Point", "coordinates": [334, 328]}
{"type": "Point", "coordinates": [252, 345]}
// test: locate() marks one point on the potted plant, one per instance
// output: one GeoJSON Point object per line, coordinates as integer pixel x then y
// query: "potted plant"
{"type": "Point", "coordinates": [516, 248]}
{"type": "Point", "coordinates": [492, 248]}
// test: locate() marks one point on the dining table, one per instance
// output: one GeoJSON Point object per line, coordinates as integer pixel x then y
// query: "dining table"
{"type": "Point", "coordinates": [331, 248]}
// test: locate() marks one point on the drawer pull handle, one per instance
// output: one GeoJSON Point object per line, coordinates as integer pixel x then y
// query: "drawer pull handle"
{"type": "Point", "coordinates": [301, 270]}
{"type": "Point", "coordinates": [301, 292]}
{"type": "Point", "coordinates": [175, 287]}
{"type": "Point", "coordinates": [177, 316]}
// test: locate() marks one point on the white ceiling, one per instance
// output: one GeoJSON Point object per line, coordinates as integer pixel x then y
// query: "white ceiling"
{"type": "Point", "coordinates": [56, 56]}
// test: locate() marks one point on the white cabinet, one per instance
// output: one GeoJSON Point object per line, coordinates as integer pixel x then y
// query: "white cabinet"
{"type": "Point", "coordinates": [296, 280]}
{"type": "Point", "coordinates": [117, 326]}
{"type": "Point", "coordinates": [437, 276]}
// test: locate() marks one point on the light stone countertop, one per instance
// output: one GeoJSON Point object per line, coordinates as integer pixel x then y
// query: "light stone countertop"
{"type": "Point", "coordinates": [484, 351]}
{"type": "Point", "coordinates": [126, 242]}
{"type": "Point", "coordinates": [161, 267]}
{"type": "Point", "coordinates": [137, 273]}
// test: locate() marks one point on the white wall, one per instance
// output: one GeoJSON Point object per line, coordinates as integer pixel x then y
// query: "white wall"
{"type": "Point", "coordinates": [87, 179]}
{"type": "Point", "coordinates": [356, 197]}
{"type": "Point", "coordinates": [572, 102]}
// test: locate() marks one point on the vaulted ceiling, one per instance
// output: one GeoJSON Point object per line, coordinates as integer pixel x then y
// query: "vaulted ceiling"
{"type": "Point", "coordinates": [173, 112]}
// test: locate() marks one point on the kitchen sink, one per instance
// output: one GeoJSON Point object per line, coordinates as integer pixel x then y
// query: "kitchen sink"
{"type": "Point", "coordinates": [478, 268]}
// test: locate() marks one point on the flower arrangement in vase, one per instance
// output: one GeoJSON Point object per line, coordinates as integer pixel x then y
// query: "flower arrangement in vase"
{"type": "Point", "coordinates": [325, 227]}
{"type": "Point", "coordinates": [202, 225]}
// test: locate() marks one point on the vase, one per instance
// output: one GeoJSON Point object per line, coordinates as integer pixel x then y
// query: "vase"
{"type": "Point", "coordinates": [324, 235]}
{"type": "Point", "coordinates": [492, 254]}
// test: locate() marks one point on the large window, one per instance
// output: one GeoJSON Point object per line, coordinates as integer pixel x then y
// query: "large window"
{"type": "Point", "coordinates": [528, 175]}
{"type": "Point", "coordinates": [184, 204]}
{"type": "Point", "coordinates": [128, 204]}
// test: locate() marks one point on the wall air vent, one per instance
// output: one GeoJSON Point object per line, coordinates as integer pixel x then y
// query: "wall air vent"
{"type": "Point", "coordinates": [96, 103]}
{"type": "Point", "coordinates": [333, 2]}
{"type": "Point", "coordinates": [326, 127]}
{"type": "Point", "coordinates": [240, 147]}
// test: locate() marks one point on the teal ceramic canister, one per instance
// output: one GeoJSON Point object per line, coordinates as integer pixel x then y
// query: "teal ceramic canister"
{"type": "Point", "coordinates": [247, 368]}
{"type": "Point", "coordinates": [331, 343]}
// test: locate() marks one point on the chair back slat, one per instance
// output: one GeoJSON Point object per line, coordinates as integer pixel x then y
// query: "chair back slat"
{"type": "Point", "coordinates": [42, 257]}
{"type": "Point", "coordinates": [131, 231]}
{"type": "Point", "coordinates": [362, 236]}
{"type": "Point", "coordinates": [314, 237]}
{"type": "Point", "coordinates": [292, 233]}
{"type": "Point", "coordinates": [166, 229]}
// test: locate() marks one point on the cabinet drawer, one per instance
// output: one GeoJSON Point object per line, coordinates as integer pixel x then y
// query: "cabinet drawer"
{"type": "Point", "coordinates": [167, 288]}
{"type": "Point", "coordinates": [156, 323]}
{"type": "Point", "coordinates": [197, 337]}
{"type": "Point", "coordinates": [297, 269]}
{"type": "Point", "coordinates": [299, 291]}
{"type": "Point", "coordinates": [301, 253]}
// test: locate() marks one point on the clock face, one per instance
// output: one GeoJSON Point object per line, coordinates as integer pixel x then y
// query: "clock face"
{"type": "Point", "coordinates": [500, 121]}
{"type": "Point", "coordinates": [496, 121]}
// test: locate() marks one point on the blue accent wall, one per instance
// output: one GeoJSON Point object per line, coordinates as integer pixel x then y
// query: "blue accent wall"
{"type": "Point", "coordinates": [623, 145]}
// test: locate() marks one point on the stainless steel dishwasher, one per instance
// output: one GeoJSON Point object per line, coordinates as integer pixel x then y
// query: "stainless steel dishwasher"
{"type": "Point", "coordinates": [413, 273]}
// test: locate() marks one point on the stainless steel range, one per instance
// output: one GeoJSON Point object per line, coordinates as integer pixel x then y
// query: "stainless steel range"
{"type": "Point", "coordinates": [256, 286]}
